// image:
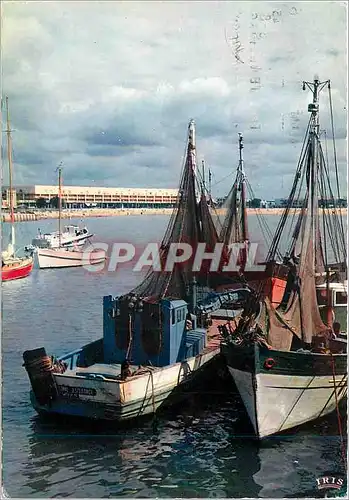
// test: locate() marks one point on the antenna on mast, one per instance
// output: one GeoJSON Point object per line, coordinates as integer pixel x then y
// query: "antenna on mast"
{"type": "Point", "coordinates": [315, 88]}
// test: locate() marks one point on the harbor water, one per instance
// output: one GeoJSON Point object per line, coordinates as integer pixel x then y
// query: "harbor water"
{"type": "Point", "coordinates": [204, 448]}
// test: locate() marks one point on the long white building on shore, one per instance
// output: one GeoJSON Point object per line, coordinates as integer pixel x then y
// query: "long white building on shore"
{"type": "Point", "coordinates": [80, 196]}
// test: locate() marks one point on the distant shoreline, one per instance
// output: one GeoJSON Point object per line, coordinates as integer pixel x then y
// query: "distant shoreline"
{"type": "Point", "coordinates": [114, 212]}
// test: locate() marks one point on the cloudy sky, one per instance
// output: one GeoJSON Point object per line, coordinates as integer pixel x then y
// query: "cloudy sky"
{"type": "Point", "coordinates": [109, 88]}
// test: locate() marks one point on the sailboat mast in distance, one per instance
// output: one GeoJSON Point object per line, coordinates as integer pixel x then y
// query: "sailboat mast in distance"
{"type": "Point", "coordinates": [9, 156]}
{"type": "Point", "coordinates": [59, 203]}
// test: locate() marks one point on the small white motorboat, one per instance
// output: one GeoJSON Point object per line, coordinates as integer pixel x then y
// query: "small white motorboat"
{"type": "Point", "coordinates": [64, 248]}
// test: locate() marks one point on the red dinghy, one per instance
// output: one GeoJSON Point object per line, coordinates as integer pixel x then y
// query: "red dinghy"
{"type": "Point", "coordinates": [16, 268]}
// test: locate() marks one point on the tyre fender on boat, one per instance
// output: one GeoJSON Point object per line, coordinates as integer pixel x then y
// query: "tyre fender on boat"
{"type": "Point", "coordinates": [269, 363]}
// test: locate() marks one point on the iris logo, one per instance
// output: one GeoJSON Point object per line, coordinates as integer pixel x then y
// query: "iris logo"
{"type": "Point", "coordinates": [329, 482]}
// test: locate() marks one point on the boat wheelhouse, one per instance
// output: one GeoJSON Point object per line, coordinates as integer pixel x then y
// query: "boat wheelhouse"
{"type": "Point", "coordinates": [69, 237]}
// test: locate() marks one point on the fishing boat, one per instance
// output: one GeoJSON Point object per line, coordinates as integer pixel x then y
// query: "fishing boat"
{"type": "Point", "coordinates": [13, 267]}
{"type": "Point", "coordinates": [70, 236]}
{"type": "Point", "coordinates": [149, 350]}
{"type": "Point", "coordinates": [63, 248]}
{"type": "Point", "coordinates": [156, 339]}
{"type": "Point", "coordinates": [289, 362]}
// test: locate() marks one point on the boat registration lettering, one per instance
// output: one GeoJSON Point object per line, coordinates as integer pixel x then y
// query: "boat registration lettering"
{"type": "Point", "coordinates": [75, 392]}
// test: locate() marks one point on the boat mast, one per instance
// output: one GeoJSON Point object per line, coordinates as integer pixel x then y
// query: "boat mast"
{"type": "Point", "coordinates": [203, 177]}
{"type": "Point", "coordinates": [209, 183]}
{"type": "Point", "coordinates": [10, 167]}
{"type": "Point", "coordinates": [192, 154]}
{"type": "Point", "coordinates": [59, 203]}
{"type": "Point", "coordinates": [313, 171]}
{"type": "Point", "coordinates": [192, 145]}
{"type": "Point", "coordinates": [243, 190]}
{"type": "Point", "coordinates": [313, 108]}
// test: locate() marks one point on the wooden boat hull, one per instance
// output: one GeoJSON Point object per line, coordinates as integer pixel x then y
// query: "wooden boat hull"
{"type": "Point", "coordinates": [50, 258]}
{"type": "Point", "coordinates": [17, 269]}
{"type": "Point", "coordinates": [298, 387]}
{"type": "Point", "coordinates": [97, 394]}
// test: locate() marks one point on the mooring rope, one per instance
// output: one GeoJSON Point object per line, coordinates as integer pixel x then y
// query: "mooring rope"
{"type": "Point", "coordinates": [130, 336]}
{"type": "Point", "coordinates": [152, 391]}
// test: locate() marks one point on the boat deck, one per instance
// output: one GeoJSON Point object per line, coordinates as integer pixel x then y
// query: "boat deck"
{"type": "Point", "coordinates": [110, 371]}
{"type": "Point", "coordinates": [225, 314]}
{"type": "Point", "coordinates": [213, 336]}
{"type": "Point", "coordinates": [113, 371]}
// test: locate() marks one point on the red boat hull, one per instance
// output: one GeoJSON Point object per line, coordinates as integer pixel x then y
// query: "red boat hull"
{"type": "Point", "coordinates": [17, 269]}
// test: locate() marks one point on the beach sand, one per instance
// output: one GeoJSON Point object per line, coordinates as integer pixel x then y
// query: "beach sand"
{"type": "Point", "coordinates": [113, 212]}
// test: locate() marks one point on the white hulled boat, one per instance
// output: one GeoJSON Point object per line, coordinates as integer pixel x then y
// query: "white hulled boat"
{"type": "Point", "coordinates": [289, 362]}
{"type": "Point", "coordinates": [64, 248]}
{"type": "Point", "coordinates": [55, 258]}
{"type": "Point", "coordinates": [71, 235]}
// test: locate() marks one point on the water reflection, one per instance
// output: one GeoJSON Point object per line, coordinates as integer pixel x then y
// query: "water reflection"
{"type": "Point", "coordinates": [192, 454]}
{"type": "Point", "coordinates": [296, 473]}
{"type": "Point", "coordinates": [204, 449]}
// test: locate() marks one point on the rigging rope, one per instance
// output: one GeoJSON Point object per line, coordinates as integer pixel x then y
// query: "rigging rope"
{"type": "Point", "coordinates": [265, 229]}
{"type": "Point", "coordinates": [334, 223]}
{"type": "Point", "coordinates": [276, 241]}
{"type": "Point", "coordinates": [130, 336]}
{"type": "Point", "coordinates": [335, 157]}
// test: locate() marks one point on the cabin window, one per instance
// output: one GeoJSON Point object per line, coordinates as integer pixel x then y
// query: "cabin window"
{"type": "Point", "coordinates": [173, 316]}
{"type": "Point", "coordinates": [178, 315]}
{"type": "Point", "coordinates": [341, 299]}
{"type": "Point", "coordinates": [322, 297]}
